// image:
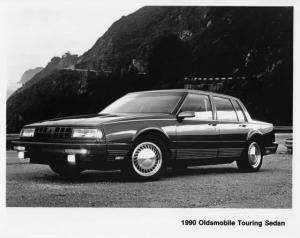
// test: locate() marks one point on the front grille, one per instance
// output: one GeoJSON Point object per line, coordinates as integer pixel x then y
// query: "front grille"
{"type": "Point", "coordinates": [53, 132]}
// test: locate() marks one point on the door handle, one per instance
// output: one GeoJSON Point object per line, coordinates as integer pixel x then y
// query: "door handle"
{"type": "Point", "coordinates": [242, 125]}
{"type": "Point", "coordinates": [212, 124]}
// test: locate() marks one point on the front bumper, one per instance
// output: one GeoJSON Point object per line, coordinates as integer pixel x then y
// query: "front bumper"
{"type": "Point", "coordinates": [90, 155]}
{"type": "Point", "coordinates": [271, 149]}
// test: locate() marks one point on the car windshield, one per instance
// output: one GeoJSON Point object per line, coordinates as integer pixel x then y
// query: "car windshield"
{"type": "Point", "coordinates": [144, 103]}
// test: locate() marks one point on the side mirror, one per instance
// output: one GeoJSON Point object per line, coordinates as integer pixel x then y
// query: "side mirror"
{"type": "Point", "coordinates": [185, 114]}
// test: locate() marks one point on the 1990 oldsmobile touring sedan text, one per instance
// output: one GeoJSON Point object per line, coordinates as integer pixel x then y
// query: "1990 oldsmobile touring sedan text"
{"type": "Point", "coordinates": [257, 223]}
{"type": "Point", "coordinates": [144, 132]}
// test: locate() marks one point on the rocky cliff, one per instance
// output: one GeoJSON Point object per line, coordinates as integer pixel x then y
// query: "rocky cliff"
{"type": "Point", "coordinates": [28, 74]}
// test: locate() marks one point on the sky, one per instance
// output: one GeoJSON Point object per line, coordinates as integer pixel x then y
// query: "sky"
{"type": "Point", "coordinates": [35, 31]}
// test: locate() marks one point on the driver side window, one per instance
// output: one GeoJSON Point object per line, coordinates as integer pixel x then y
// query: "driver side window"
{"type": "Point", "coordinates": [199, 104]}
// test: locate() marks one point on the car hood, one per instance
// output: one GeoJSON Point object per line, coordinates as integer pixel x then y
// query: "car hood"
{"type": "Point", "coordinates": [97, 119]}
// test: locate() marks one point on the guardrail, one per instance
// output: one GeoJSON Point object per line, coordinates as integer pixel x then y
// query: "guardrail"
{"type": "Point", "coordinates": [283, 129]}
{"type": "Point", "coordinates": [9, 139]}
{"type": "Point", "coordinates": [289, 145]}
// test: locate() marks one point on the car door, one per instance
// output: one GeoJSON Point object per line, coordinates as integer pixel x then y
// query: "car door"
{"type": "Point", "coordinates": [196, 137]}
{"type": "Point", "coordinates": [232, 126]}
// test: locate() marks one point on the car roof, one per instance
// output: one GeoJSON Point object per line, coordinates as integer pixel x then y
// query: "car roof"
{"type": "Point", "coordinates": [187, 91]}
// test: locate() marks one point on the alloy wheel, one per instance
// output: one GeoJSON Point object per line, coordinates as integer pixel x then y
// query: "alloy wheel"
{"type": "Point", "coordinates": [147, 159]}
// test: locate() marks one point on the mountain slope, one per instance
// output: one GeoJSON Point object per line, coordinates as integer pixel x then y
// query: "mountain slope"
{"type": "Point", "coordinates": [222, 40]}
{"type": "Point", "coordinates": [66, 61]}
{"type": "Point", "coordinates": [132, 36]}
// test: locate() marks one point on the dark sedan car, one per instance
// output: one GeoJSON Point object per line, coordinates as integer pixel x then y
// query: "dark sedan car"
{"type": "Point", "coordinates": [144, 132]}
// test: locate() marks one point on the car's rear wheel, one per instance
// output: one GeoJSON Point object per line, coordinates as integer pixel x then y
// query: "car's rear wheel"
{"type": "Point", "coordinates": [65, 170]}
{"type": "Point", "coordinates": [147, 160]}
{"type": "Point", "coordinates": [252, 158]}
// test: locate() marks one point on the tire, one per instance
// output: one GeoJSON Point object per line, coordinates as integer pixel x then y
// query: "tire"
{"type": "Point", "coordinates": [252, 158]}
{"type": "Point", "coordinates": [147, 159]}
{"type": "Point", "coordinates": [65, 170]}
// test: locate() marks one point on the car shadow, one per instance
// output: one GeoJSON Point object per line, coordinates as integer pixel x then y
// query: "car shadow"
{"type": "Point", "coordinates": [198, 171]}
{"type": "Point", "coordinates": [89, 176]}
{"type": "Point", "coordinates": [94, 176]}
{"type": "Point", "coordinates": [202, 171]}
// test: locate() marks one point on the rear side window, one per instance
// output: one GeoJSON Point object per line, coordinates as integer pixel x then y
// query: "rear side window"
{"type": "Point", "coordinates": [239, 111]}
{"type": "Point", "coordinates": [225, 110]}
{"type": "Point", "coordinates": [199, 104]}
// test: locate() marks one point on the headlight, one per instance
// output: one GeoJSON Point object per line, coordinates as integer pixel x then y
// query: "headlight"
{"type": "Point", "coordinates": [27, 132]}
{"type": "Point", "coordinates": [87, 133]}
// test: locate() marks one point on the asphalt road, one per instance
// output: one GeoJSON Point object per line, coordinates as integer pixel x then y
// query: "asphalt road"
{"type": "Point", "coordinates": [221, 186]}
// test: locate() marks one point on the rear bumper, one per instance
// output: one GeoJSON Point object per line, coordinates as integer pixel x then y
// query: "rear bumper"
{"type": "Point", "coordinates": [92, 155]}
{"type": "Point", "coordinates": [271, 149]}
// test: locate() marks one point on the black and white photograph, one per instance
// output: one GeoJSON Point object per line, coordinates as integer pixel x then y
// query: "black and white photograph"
{"type": "Point", "coordinates": [139, 114]}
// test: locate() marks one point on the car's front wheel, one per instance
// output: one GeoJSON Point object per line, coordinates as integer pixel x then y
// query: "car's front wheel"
{"type": "Point", "coordinates": [252, 158]}
{"type": "Point", "coordinates": [147, 160]}
{"type": "Point", "coordinates": [65, 170]}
